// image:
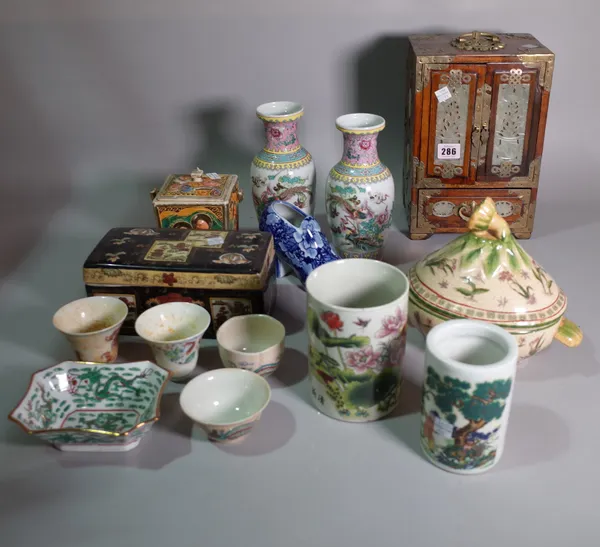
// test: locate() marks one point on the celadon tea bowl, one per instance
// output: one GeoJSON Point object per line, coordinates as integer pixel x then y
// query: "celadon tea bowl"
{"type": "Point", "coordinates": [174, 332]}
{"type": "Point", "coordinates": [252, 342]}
{"type": "Point", "coordinates": [92, 325]}
{"type": "Point", "coordinates": [91, 407]}
{"type": "Point", "coordinates": [226, 402]}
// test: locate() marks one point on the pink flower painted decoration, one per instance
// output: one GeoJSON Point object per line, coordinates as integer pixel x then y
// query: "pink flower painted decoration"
{"type": "Point", "coordinates": [392, 324]}
{"type": "Point", "coordinates": [363, 359]}
{"type": "Point", "coordinates": [383, 218]}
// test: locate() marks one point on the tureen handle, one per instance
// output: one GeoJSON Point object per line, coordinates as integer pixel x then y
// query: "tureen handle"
{"type": "Point", "coordinates": [569, 333]}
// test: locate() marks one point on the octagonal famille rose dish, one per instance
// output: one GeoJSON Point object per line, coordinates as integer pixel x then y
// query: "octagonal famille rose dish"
{"type": "Point", "coordinates": [485, 274]}
{"type": "Point", "coordinates": [92, 407]}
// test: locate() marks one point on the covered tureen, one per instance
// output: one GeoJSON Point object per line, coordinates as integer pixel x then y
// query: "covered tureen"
{"type": "Point", "coordinates": [485, 274]}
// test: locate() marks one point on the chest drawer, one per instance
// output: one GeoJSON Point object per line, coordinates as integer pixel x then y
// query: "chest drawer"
{"type": "Point", "coordinates": [447, 210]}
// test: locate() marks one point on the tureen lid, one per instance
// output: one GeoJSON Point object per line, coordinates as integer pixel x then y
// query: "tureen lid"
{"type": "Point", "coordinates": [486, 274]}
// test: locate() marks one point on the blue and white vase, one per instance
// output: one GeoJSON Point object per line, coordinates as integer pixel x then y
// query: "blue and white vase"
{"type": "Point", "coordinates": [283, 170]}
{"type": "Point", "coordinates": [299, 241]}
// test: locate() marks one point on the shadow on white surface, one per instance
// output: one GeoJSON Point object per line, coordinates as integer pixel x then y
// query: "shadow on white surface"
{"type": "Point", "coordinates": [535, 435]}
{"type": "Point", "coordinates": [403, 424]}
{"type": "Point", "coordinates": [291, 306]}
{"type": "Point", "coordinates": [292, 369]}
{"type": "Point", "coordinates": [558, 361]}
{"type": "Point", "coordinates": [169, 440]}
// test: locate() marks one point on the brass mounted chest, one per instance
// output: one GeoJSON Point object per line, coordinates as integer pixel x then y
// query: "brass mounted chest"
{"type": "Point", "coordinates": [476, 113]}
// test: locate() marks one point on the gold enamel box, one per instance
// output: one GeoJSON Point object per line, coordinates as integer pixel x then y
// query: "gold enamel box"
{"type": "Point", "coordinates": [199, 201]}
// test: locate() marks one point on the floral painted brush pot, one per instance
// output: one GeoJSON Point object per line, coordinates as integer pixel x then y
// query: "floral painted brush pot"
{"type": "Point", "coordinates": [485, 274]}
{"type": "Point", "coordinates": [77, 406]}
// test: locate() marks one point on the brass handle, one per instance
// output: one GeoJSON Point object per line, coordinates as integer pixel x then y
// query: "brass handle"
{"type": "Point", "coordinates": [475, 135]}
{"type": "Point", "coordinates": [465, 209]}
{"type": "Point", "coordinates": [485, 134]}
{"type": "Point", "coordinates": [478, 41]}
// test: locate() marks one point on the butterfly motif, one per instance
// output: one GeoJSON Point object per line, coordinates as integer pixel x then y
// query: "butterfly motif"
{"type": "Point", "coordinates": [362, 323]}
{"type": "Point", "coordinates": [113, 257]}
{"type": "Point", "coordinates": [378, 197]}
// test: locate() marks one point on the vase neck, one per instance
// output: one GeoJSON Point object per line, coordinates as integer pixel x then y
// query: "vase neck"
{"type": "Point", "coordinates": [360, 149]}
{"type": "Point", "coordinates": [281, 137]}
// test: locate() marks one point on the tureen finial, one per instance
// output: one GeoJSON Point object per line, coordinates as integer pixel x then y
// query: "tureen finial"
{"type": "Point", "coordinates": [487, 223]}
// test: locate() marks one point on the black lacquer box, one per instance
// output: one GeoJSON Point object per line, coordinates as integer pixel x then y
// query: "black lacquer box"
{"type": "Point", "coordinates": [228, 273]}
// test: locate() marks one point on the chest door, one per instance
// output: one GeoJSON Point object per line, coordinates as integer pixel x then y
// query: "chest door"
{"type": "Point", "coordinates": [511, 111]}
{"type": "Point", "coordinates": [452, 111]}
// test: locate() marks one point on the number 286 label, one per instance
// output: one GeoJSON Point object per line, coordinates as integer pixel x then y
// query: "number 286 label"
{"type": "Point", "coordinates": [448, 151]}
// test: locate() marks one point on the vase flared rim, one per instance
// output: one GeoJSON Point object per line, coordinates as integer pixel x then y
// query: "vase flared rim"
{"type": "Point", "coordinates": [279, 111]}
{"type": "Point", "coordinates": [360, 123]}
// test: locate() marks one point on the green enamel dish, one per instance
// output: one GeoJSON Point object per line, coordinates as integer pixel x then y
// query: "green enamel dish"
{"type": "Point", "coordinates": [91, 407]}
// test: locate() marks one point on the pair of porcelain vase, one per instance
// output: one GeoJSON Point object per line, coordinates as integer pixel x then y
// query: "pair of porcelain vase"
{"type": "Point", "coordinates": [359, 189]}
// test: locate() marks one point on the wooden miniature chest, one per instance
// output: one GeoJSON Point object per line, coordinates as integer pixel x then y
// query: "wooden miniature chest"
{"type": "Point", "coordinates": [475, 120]}
{"type": "Point", "coordinates": [198, 201]}
{"type": "Point", "coordinates": [227, 272]}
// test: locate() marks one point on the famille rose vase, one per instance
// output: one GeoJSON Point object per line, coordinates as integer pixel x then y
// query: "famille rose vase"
{"type": "Point", "coordinates": [283, 170]}
{"type": "Point", "coordinates": [357, 337]}
{"type": "Point", "coordinates": [359, 190]}
{"type": "Point", "coordinates": [485, 274]}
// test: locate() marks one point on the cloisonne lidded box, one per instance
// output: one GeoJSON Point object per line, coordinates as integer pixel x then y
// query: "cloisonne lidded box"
{"type": "Point", "coordinates": [200, 201]}
{"type": "Point", "coordinates": [229, 273]}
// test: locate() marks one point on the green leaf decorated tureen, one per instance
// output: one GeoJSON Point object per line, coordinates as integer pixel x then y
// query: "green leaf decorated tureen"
{"type": "Point", "coordinates": [485, 274]}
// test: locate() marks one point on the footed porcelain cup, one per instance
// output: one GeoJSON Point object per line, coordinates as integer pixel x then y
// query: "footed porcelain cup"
{"type": "Point", "coordinates": [252, 342]}
{"type": "Point", "coordinates": [227, 403]}
{"type": "Point", "coordinates": [174, 332]}
{"type": "Point", "coordinates": [92, 325]}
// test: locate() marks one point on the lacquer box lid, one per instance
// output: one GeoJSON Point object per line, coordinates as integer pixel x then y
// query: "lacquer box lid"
{"type": "Point", "coordinates": [181, 258]}
{"type": "Point", "coordinates": [198, 188]}
{"type": "Point", "coordinates": [474, 44]}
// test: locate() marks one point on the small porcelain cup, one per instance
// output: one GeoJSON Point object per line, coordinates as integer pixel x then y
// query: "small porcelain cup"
{"type": "Point", "coordinates": [252, 342]}
{"type": "Point", "coordinates": [92, 327]}
{"type": "Point", "coordinates": [470, 369]}
{"type": "Point", "coordinates": [174, 332]}
{"type": "Point", "coordinates": [226, 402]}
